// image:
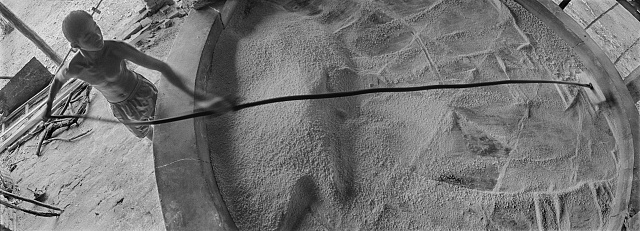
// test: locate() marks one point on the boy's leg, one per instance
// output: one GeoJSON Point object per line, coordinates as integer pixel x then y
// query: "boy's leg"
{"type": "Point", "coordinates": [124, 115]}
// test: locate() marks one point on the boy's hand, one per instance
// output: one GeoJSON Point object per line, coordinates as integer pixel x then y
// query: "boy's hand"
{"type": "Point", "coordinates": [217, 104]}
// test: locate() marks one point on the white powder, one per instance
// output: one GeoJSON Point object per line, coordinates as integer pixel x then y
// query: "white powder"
{"type": "Point", "coordinates": [445, 159]}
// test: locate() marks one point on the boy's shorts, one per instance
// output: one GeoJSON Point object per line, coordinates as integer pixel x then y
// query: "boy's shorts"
{"type": "Point", "coordinates": [139, 106]}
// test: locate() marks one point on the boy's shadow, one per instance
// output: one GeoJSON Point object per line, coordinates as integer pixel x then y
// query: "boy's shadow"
{"type": "Point", "coordinates": [223, 79]}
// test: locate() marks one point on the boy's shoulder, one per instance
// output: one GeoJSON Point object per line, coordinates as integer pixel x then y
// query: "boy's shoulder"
{"type": "Point", "coordinates": [117, 47]}
{"type": "Point", "coordinates": [76, 60]}
{"type": "Point", "coordinates": [114, 44]}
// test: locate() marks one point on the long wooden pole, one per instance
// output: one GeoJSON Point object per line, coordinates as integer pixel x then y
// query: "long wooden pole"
{"type": "Point", "coordinates": [29, 211]}
{"type": "Point", "coordinates": [30, 34]}
{"type": "Point", "coordinates": [5, 193]}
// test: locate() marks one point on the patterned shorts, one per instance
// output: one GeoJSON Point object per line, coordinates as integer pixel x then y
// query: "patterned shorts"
{"type": "Point", "coordinates": [139, 106]}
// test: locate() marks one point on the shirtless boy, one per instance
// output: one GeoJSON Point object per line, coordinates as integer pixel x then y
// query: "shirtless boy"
{"type": "Point", "coordinates": [102, 64]}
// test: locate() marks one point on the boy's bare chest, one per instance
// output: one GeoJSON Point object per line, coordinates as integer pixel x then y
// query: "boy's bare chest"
{"type": "Point", "coordinates": [108, 68]}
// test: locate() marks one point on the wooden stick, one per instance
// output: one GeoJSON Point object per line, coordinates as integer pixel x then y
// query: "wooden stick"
{"type": "Point", "coordinates": [69, 139]}
{"type": "Point", "coordinates": [30, 34]}
{"type": "Point", "coordinates": [42, 214]}
{"type": "Point", "coordinates": [29, 200]}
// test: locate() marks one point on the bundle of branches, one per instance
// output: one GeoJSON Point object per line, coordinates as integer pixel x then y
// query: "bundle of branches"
{"type": "Point", "coordinates": [17, 198]}
{"type": "Point", "coordinates": [76, 103]}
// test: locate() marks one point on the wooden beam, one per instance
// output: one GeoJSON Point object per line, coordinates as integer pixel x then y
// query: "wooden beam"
{"type": "Point", "coordinates": [15, 131]}
{"type": "Point", "coordinates": [30, 34]}
{"type": "Point", "coordinates": [29, 211]}
{"type": "Point", "coordinates": [35, 202]}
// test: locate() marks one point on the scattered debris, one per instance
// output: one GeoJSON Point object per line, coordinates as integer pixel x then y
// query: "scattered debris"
{"type": "Point", "coordinates": [7, 183]}
{"type": "Point", "coordinates": [69, 139]}
{"type": "Point", "coordinates": [135, 28]}
{"type": "Point", "coordinates": [76, 108]}
{"type": "Point", "coordinates": [145, 22]}
{"type": "Point", "coordinates": [40, 195]}
{"type": "Point", "coordinates": [142, 9]}
{"type": "Point", "coordinates": [143, 34]}
{"type": "Point", "coordinates": [165, 9]}
{"type": "Point", "coordinates": [178, 13]}
{"type": "Point", "coordinates": [120, 201]}
{"type": "Point", "coordinates": [166, 23]}
{"type": "Point", "coordinates": [155, 5]}
{"type": "Point", "coordinates": [5, 27]}
{"type": "Point", "coordinates": [142, 25]}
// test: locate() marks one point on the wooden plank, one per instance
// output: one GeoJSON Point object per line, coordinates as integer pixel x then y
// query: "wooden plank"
{"type": "Point", "coordinates": [20, 110]}
{"type": "Point", "coordinates": [188, 191]}
{"type": "Point", "coordinates": [30, 34]}
{"type": "Point", "coordinates": [620, 111]}
{"type": "Point", "coordinates": [34, 117]}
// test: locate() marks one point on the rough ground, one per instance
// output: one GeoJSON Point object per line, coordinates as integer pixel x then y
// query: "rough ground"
{"type": "Point", "coordinates": [105, 180]}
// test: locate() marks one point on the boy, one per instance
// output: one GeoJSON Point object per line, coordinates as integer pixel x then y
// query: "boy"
{"type": "Point", "coordinates": [101, 63]}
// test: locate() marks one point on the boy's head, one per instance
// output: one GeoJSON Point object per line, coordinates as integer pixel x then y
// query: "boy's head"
{"type": "Point", "coordinates": [80, 29]}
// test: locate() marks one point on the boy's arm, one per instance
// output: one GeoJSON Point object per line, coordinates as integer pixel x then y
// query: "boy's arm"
{"type": "Point", "coordinates": [203, 101]}
{"type": "Point", "coordinates": [58, 80]}
{"type": "Point", "coordinates": [134, 55]}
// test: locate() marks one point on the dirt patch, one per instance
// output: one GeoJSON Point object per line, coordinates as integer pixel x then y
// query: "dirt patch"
{"type": "Point", "coordinates": [104, 180]}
